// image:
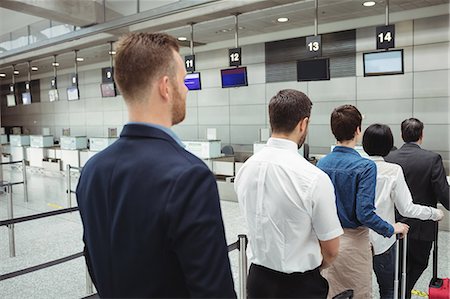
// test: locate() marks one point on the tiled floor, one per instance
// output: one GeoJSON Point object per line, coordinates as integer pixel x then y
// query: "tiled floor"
{"type": "Point", "coordinates": [39, 241]}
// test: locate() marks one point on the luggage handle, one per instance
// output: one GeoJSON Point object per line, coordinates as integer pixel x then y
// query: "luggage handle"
{"type": "Point", "coordinates": [435, 281]}
{"type": "Point", "coordinates": [397, 258]}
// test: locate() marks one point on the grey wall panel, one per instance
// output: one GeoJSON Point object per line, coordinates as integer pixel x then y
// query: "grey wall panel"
{"type": "Point", "coordinates": [432, 110]}
{"type": "Point", "coordinates": [77, 119]}
{"type": "Point", "coordinates": [337, 89]}
{"type": "Point", "coordinates": [91, 76]}
{"type": "Point", "coordinates": [431, 30]}
{"type": "Point", "coordinates": [436, 137]}
{"type": "Point", "coordinates": [273, 88]}
{"type": "Point", "coordinates": [31, 109]}
{"type": "Point", "coordinates": [214, 115]}
{"type": "Point", "coordinates": [112, 104]}
{"type": "Point", "coordinates": [391, 111]}
{"type": "Point", "coordinates": [248, 115]}
{"type": "Point", "coordinates": [340, 47]}
{"type": "Point", "coordinates": [186, 132]}
{"type": "Point", "coordinates": [384, 87]}
{"type": "Point", "coordinates": [252, 54]}
{"type": "Point", "coordinates": [211, 59]}
{"type": "Point", "coordinates": [77, 106]}
{"type": "Point", "coordinates": [214, 97]}
{"type": "Point", "coordinates": [61, 106]}
{"type": "Point", "coordinates": [191, 116]}
{"type": "Point", "coordinates": [321, 136]}
{"type": "Point", "coordinates": [253, 94]}
{"type": "Point", "coordinates": [47, 107]}
{"type": "Point", "coordinates": [281, 71]}
{"type": "Point", "coordinates": [62, 119]}
{"type": "Point", "coordinates": [112, 118]}
{"type": "Point", "coordinates": [245, 134]}
{"type": "Point", "coordinates": [431, 57]}
{"type": "Point", "coordinates": [77, 130]}
{"type": "Point", "coordinates": [256, 73]}
{"type": "Point", "coordinates": [48, 120]}
{"type": "Point", "coordinates": [191, 98]}
{"type": "Point", "coordinates": [94, 118]}
{"type": "Point", "coordinates": [431, 84]}
{"type": "Point", "coordinates": [90, 91]}
{"type": "Point", "coordinates": [321, 111]}
{"type": "Point", "coordinates": [94, 131]}
{"type": "Point", "coordinates": [223, 132]}
{"type": "Point", "coordinates": [93, 105]}
{"type": "Point", "coordinates": [210, 78]}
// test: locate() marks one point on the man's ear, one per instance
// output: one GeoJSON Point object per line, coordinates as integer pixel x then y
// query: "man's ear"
{"type": "Point", "coordinates": [164, 87]}
{"type": "Point", "coordinates": [304, 124]}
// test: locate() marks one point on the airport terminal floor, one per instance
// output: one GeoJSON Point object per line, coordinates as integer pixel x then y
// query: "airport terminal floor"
{"type": "Point", "coordinates": [47, 239]}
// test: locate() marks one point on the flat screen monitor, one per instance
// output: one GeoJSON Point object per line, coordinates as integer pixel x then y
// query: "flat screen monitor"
{"type": "Point", "coordinates": [192, 81]}
{"type": "Point", "coordinates": [313, 69]}
{"type": "Point", "coordinates": [383, 63]}
{"type": "Point", "coordinates": [26, 98]}
{"type": "Point", "coordinates": [72, 93]}
{"type": "Point", "coordinates": [108, 90]}
{"type": "Point", "coordinates": [10, 100]}
{"type": "Point", "coordinates": [53, 95]}
{"type": "Point", "coordinates": [234, 77]}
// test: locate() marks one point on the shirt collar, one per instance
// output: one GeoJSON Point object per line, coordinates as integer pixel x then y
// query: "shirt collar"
{"type": "Point", "coordinates": [282, 143]}
{"type": "Point", "coordinates": [345, 149]}
{"type": "Point", "coordinates": [376, 158]}
{"type": "Point", "coordinates": [162, 128]}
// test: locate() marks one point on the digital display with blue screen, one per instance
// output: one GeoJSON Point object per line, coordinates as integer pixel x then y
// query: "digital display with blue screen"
{"type": "Point", "coordinates": [192, 81]}
{"type": "Point", "coordinates": [383, 63]}
{"type": "Point", "coordinates": [26, 98]}
{"type": "Point", "coordinates": [234, 77]}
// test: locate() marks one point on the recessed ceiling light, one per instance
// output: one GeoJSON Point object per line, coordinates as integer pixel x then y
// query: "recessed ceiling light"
{"type": "Point", "coordinates": [2, 75]}
{"type": "Point", "coordinates": [112, 52]}
{"type": "Point", "coordinates": [241, 28]}
{"type": "Point", "coordinates": [282, 20]}
{"type": "Point", "coordinates": [16, 72]}
{"type": "Point", "coordinates": [369, 3]}
{"type": "Point", "coordinates": [182, 38]}
{"type": "Point", "coordinates": [79, 59]}
{"type": "Point", "coordinates": [55, 63]}
{"type": "Point", "coordinates": [34, 68]}
{"type": "Point", "coordinates": [225, 30]}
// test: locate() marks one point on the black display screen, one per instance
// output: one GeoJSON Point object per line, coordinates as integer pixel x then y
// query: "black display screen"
{"type": "Point", "coordinates": [313, 69]}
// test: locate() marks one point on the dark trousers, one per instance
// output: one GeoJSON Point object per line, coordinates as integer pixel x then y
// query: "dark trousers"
{"type": "Point", "coordinates": [418, 253]}
{"type": "Point", "coordinates": [263, 282]}
{"type": "Point", "coordinates": [384, 268]}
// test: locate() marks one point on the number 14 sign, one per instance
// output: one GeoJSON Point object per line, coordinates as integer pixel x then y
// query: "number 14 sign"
{"type": "Point", "coordinates": [385, 37]}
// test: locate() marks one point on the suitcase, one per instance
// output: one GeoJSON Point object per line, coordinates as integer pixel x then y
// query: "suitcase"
{"type": "Point", "coordinates": [397, 259]}
{"type": "Point", "coordinates": [439, 287]}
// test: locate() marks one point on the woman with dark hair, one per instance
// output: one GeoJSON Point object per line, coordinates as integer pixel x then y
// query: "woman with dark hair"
{"type": "Point", "coordinates": [391, 192]}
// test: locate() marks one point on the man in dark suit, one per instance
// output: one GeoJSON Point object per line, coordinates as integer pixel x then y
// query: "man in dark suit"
{"type": "Point", "coordinates": [150, 209]}
{"type": "Point", "coordinates": [426, 179]}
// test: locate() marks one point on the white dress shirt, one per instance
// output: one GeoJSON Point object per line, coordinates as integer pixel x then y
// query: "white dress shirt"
{"type": "Point", "coordinates": [392, 192]}
{"type": "Point", "coordinates": [289, 205]}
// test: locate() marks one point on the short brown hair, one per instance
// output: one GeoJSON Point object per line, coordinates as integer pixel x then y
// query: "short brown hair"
{"type": "Point", "coordinates": [287, 108]}
{"type": "Point", "coordinates": [345, 120]}
{"type": "Point", "coordinates": [140, 59]}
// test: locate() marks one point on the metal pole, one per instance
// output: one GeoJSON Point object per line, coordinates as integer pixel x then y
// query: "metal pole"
{"type": "Point", "coordinates": [387, 12]}
{"type": "Point", "coordinates": [89, 284]}
{"type": "Point", "coordinates": [12, 242]}
{"type": "Point", "coordinates": [316, 19]}
{"type": "Point", "coordinates": [68, 187]}
{"type": "Point", "coordinates": [25, 182]}
{"type": "Point", "coordinates": [242, 266]}
{"type": "Point", "coordinates": [397, 253]}
{"type": "Point", "coordinates": [192, 38]}
{"type": "Point", "coordinates": [236, 30]}
{"type": "Point", "coordinates": [405, 245]}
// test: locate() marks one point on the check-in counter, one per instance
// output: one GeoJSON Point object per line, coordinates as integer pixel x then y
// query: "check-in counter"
{"type": "Point", "coordinates": [19, 140]}
{"type": "Point", "coordinates": [85, 156]}
{"type": "Point", "coordinates": [97, 144]}
{"type": "Point", "coordinates": [204, 149]}
{"type": "Point", "coordinates": [3, 139]}
{"type": "Point", "coordinates": [73, 142]}
{"type": "Point", "coordinates": [40, 141]}
{"type": "Point", "coordinates": [18, 153]}
{"type": "Point", "coordinates": [35, 156]}
{"type": "Point", "coordinates": [70, 157]}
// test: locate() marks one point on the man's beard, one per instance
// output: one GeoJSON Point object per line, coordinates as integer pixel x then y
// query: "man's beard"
{"type": "Point", "coordinates": [178, 107]}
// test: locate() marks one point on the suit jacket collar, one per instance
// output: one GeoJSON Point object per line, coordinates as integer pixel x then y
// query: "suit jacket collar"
{"type": "Point", "coordinates": [411, 145]}
{"type": "Point", "coordinates": [140, 130]}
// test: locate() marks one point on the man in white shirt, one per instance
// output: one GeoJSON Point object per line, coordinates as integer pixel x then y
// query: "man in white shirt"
{"type": "Point", "coordinates": [289, 207]}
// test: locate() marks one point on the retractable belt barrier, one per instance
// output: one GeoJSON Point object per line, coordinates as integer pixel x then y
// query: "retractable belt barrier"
{"type": "Point", "coordinates": [24, 178]}
{"type": "Point", "coordinates": [69, 190]}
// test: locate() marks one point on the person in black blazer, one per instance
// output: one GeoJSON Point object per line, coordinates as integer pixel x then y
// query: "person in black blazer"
{"type": "Point", "coordinates": [426, 179]}
{"type": "Point", "coordinates": [150, 209]}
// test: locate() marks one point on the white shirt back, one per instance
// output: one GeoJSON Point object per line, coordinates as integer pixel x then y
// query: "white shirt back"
{"type": "Point", "coordinates": [289, 205]}
{"type": "Point", "coordinates": [392, 192]}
